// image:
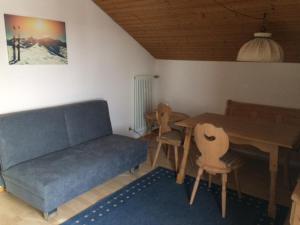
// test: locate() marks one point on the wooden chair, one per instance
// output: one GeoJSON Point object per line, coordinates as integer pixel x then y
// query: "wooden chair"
{"type": "Point", "coordinates": [213, 144]}
{"type": "Point", "coordinates": [295, 210]}
{"type": "Point", "coordinates": [166, 135]}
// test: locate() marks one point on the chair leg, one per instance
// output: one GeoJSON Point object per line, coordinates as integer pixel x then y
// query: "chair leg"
{"type": "Point", "coordinates": [209, 180]}
{"type": "Point", "coordinates": [176, 157]}
{"type": "Point", "coordinates": [224, 184]}
{"type": "Point", "coordinates": [156, 154]}
{"type": "Point", "coordinates": [195, 188]}
{"type": "Point", "coordinates": [168, 151]}
{"type": "Point", "coordinates": [237, 182]}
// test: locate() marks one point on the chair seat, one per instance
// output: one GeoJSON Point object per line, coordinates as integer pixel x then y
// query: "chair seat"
{"type": "Point", "coordinates": [172, 137]}
{"type": "Point", "coordinates": [177, 128]}
{"type": "Point", "coordinates": [231, 159]}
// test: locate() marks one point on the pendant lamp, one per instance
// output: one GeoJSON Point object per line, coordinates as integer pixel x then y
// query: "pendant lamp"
{"type": "Point", "coordinates": [262, 48]}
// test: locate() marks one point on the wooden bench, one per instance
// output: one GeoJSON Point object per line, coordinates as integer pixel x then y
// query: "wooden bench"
{"type": "Point", "coordinates": [274, 114]}
{"type": "Point", "coordinates": [268, 113]}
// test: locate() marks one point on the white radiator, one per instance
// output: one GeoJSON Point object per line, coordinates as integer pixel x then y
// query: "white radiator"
{"type": "Point", "coordinates": [142, 101]}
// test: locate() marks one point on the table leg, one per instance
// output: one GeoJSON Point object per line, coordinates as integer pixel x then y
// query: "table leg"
{"type": "Point", "coordinates": [286, 161]}
{"type": "Point", "coordinates": [273, 167]}
{"type": "Point", "coordinates": [186, 149]}
{"type": "Point", "coordinates": [272, 150]}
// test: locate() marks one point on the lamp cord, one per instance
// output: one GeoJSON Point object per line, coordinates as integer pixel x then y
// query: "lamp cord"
{"type": "Point", "coordinates": [240, 13]}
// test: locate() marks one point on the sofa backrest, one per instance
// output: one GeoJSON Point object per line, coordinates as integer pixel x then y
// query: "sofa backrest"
{"type": "Point", "coordinates": [87, 121]}
{"type": "Point", "coordinates": [31, 134]}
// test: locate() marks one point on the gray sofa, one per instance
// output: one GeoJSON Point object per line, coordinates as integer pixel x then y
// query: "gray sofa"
{"type": "Point", "coordinates": [48, 156]}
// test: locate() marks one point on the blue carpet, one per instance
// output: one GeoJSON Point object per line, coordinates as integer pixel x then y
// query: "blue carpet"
{"type": "Point", "coordinates": [156, 199]}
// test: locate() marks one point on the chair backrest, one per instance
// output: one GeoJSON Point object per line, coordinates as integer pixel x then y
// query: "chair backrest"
{"type": "Point", "coordinates": [213, 143]}
{"type": "Point", "coordinates": [163, 116]}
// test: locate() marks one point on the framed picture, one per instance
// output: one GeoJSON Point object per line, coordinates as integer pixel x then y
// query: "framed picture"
{"type": "Point", "coordinates": [35, 41]}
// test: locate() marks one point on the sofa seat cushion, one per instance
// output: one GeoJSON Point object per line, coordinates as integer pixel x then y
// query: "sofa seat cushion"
{"type": "Point", "coordinates": [62, 175]}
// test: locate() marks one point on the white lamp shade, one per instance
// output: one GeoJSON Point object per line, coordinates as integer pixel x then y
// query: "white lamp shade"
{"type": "Point", "coordinates": [261, 49]}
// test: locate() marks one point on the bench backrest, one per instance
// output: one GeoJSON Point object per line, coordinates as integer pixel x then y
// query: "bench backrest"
{"type": "Point", "coordinates": [256, 112]}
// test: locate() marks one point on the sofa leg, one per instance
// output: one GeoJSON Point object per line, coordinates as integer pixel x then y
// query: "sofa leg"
{"type": "Point", "coordinates": [47, 215]}
{"type": "Point", "coordinates": [2, 189]}
{"type": "Point", "coordinates": [132, 170]}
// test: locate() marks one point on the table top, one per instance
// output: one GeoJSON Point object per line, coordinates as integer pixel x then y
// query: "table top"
{"type": "Point", "coordinates": [265, 132]}
{"type": "Point", "coordinates": [174, 117]}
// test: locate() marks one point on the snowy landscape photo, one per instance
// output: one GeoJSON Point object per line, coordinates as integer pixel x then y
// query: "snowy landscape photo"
{"type": "Point", "coordinates": [35, 41]}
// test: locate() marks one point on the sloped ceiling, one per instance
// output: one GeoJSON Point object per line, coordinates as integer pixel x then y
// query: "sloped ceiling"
{"type": "Point", "coordinates": [205, 29]}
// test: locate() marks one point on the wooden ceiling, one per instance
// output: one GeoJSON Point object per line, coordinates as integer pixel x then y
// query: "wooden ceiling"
{"type": "Point", "coordinates": [204, 29]}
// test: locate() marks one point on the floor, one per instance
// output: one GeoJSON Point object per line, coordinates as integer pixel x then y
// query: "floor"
{"type": "Point", "coordinates": [254, 179]}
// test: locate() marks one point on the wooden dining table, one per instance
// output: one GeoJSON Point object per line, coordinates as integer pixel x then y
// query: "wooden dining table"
{"type": "Point", "coordinates": [265, 136]}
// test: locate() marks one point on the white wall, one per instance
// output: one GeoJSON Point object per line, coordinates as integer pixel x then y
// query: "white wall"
{"type": "Point", "coordinates": [194, 87]}
{"type": "Point", "coordinates": [102, 61]}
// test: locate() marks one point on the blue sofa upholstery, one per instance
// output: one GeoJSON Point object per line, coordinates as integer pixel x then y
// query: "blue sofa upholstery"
{"type": "Point", "coordinates": [27, 135]}
{"type": "Point", "coordinates": [51, 155]}
{"type": "Point", "coordinates": [87, 121]}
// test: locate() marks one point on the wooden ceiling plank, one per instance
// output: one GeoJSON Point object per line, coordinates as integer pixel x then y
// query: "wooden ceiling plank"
{"type": "Point", "coordinates": [204, 30]}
